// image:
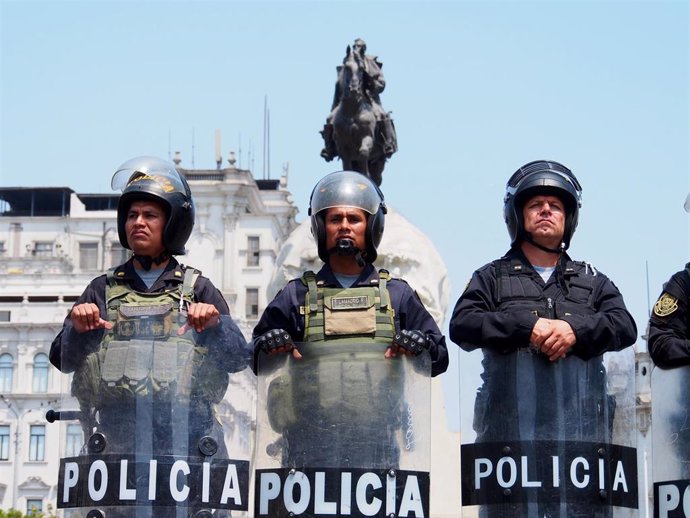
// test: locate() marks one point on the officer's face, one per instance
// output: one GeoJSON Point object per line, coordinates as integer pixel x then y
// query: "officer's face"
{"type": "Point", "coordinates": [144, 228]}
{"type": "Point", "coordinates": [544, 218]}
{"type": "Point", "coordinates": [345, 223]}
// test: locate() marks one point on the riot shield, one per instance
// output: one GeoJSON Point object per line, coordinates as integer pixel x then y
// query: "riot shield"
{"type": "Point", "coordinates": [342, 431]}
{"type": "Point", "coordinates": [165, 414]}
{"type": "Point", "coordinates": [548, 439]}
{"type": "Point", "coordinates": [671, 442]}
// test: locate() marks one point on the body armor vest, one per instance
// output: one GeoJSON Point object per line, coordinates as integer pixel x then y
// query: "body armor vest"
{"type": "Point", "coordinates": [516, 288]}
{"type": "Point", "coordinates": [348, 315]}
{"type": "Point", "coordinates": [142, 354]}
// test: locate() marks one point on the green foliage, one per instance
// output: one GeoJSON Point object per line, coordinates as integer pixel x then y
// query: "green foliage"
{"type": "Point", "coordinates": [14, 513]}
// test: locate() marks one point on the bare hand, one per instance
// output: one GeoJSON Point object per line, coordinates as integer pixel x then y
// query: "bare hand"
{"type": "Point", "coordinates": [554, 338]}
{"type": "Point", "coordinates": [200, 316]}
{"type": "Point", "coordinates": [86, 317]}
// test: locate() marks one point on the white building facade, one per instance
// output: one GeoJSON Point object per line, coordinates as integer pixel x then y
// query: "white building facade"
{"type": "Point", "coordinates": [53, 242]}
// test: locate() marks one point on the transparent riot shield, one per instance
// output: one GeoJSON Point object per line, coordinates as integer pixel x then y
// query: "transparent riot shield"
{"type": "Point", "coordinates": [548, 439]}
{"type": "Point", "coordinates": [342, 432]}
{"type": "Point", "coordinates": [671, 442]}
{"type": "Point", "coordinates": [166, 423]}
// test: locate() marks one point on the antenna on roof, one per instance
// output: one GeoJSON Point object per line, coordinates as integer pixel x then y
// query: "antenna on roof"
{"type": "Point", "coordinates": [192, 148]}
{"type": "Point", "coordinates": [219, 157]}
{"type": "Point", "coordinates": [267, 141]}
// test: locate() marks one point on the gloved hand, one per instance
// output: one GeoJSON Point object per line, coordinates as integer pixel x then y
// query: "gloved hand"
{"type": "Point", "coordinates": [410, 342]}
{"type": "Point", "coordinates": [275, 340]}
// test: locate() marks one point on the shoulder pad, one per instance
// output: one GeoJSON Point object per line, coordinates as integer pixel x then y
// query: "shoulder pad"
{"type": "Point", "coordinates": [307, 276]}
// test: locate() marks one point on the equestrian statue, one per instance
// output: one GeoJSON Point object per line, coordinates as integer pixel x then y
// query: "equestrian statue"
{"type": "Point", "coordinates": [358, 129]}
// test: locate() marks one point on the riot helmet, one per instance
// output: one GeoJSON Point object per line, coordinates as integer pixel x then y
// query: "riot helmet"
{"type": "Point", "coordinates": [541, 177]}
{"type": "Point", "coordinates": [348, 189]}
{"type": "Point", "coordinates": [151, 178]}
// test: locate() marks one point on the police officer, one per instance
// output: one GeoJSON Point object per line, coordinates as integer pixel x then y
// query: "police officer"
{"type": "Point", "coordinates": [669, 347]}
{"type": "Point", "coordinates": [151, 297]}
{"type": "Point", "coordinates": [669, 325]}
{"type": "Point", "coordinates": [347, 213]}
{"type": "Point", "coordinates": [534, 308]}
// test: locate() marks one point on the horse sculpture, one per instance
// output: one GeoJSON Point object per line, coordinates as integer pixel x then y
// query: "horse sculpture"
{"type": "Point", "coordinates": [358, 141]}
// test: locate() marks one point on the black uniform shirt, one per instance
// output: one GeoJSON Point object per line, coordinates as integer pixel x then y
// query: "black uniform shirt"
{"type": "Point", "coordinates": [669, 325]}
{"type": "Point", "coordinates": [602, 325]}
{"type": "Point", "coordinates": [283, 312]}
{"type": "Point", "coordinates": [70, 348]}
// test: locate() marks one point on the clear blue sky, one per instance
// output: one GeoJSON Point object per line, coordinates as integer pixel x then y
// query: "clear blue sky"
{"type": "Point", "coordinates": [476, 90]}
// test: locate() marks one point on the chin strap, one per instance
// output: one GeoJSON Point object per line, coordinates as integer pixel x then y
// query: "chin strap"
{"type": "Point", "coordinates": [146, 261]}
{"type": "Point", "coordinates": [559, 250]}
{"type": "Point", "coordinates": [347, 247]}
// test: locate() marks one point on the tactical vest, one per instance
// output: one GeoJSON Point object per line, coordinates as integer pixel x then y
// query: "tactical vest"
{"type": "Point", "coordinates": [348, 315]}
{"type": "Point", "coordinates": [517, 289]}
{"type": "Point", "coordinates": [142, 354]}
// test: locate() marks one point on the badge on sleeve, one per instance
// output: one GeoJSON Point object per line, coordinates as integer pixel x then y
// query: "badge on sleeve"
{"type": "Point", "coordinates": [666, 305]}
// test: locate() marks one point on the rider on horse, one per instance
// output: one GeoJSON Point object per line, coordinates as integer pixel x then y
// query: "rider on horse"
{"type": "Point", "coordinates": [374, 84]}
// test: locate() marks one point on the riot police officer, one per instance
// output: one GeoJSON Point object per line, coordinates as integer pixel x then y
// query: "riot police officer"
{"type": "Point", "coordinates": [136, 397]}
{"type": "Point", "coordinates": [669, 348]}
{"type": "Point", "coordinates": [347, 213]}
{"type": "Point", "coordinates": [669, 325]}
{"type": "Point", "coordinates": [543, 322]}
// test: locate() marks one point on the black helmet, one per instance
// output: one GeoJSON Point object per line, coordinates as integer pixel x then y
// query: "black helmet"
{"type": "Point", "coordinates": [541, 178]}
{"type": "Point", "coordinates": [151, 178]}
{"type": "Point", "coordinates": [348, 189]}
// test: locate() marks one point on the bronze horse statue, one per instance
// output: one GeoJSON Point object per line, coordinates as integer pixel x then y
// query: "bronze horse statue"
{"type": "Point", "coordinates": [356, 131]}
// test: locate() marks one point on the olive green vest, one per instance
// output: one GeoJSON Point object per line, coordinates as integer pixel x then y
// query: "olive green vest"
{"type": "Point", "coordinates": [143, 354]}
{"type": "Point", "coordinates": [348, 315]}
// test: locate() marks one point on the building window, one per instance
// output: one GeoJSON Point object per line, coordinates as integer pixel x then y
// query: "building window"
{"type": "Point", "coordinates": [37, 443]}
{"type": "Point", "coordinates": [118, 254]}
{"type": "Point", "coordinates": [253, 250]}
{"type": "Point", "coordinates": [41, 373]}
{"type": "Point", "coordinates": [34, 506]}
{"type": "Point", "coordinates": [88, 256]}
{"type": "Point", "coordinates": [6, 369]}
{"type": "Point", "coordinates": [74, 440]}
{"type": "Point", "coordinates": [2, 248]}
{"type": "Point", "coordinates": [4, 442]}
{"type": "Point", "coordinates": [252, 303]}
{"type": "Point", "coordinates": [43, 249]}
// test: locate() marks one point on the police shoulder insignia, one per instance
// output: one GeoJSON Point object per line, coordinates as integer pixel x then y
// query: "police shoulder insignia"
{"type": "Point", "coordinates": [666, 305]}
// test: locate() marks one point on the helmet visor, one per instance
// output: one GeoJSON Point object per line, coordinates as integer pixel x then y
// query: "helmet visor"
{"type": "Point", "coordinates": [346, 189]}
{"type": "Point", "coordinates": [148, 168]}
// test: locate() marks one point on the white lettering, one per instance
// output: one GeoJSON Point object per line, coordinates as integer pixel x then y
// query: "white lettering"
{"type": "Point", "coordinates": [205, 475]}
{"type": "Point", "coordinates": [231, 486]}
{"type": "Point", "coordinates": [368, 508]}
{"type": "Point", "coordinates": [480, 473]}
{"type": "Point", "coordinates": [411, 499]}
{"type": "Point", "coordinates": [602, 480]}
{"type": "Point", "coordinates": [125, 492]}
{"type": "Point", "coordinates": [179, 494]}
{"type": "Point", "coordinates": [619, 478]}
{"type": "Point", "coordinates": [302, 481]}
{"type": "Point", "coordinates": [98, 467]}
{"type": "Point", "coordinates": [526, 482]}
{"type": "Point", "coordinates": [579, 461]}
{"type": "Point", "coordinates": [390, 493]}
{"type": "Point", "coordinates": [320, 504]}
{"type": "Point", "coordinates": [153, 477]}
{"type": "Point", "coordinates": [669, 498]}
{"type": "Point", "coordinates": [269, 484]}
{"type": "Point", "coordinates": [71, 478]}
{"type": "Point", "coordinates": [512, 472]}
{"type": "Point", "coordinates": [346, 494]}
{"type": "Point", "coordinates": [556, 475]}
